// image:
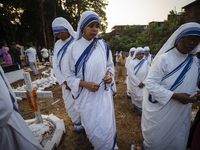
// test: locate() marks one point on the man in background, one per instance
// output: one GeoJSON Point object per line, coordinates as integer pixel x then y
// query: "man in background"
{"type": "Point", "coordinates": [45, 54]}
{"type": "Point", "coordinates": [31, 52]}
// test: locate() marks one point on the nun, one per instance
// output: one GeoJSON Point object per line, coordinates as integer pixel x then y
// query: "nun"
{"type": "Point", "coordinates": [170, 84]}
{"type": "Point", "coordinates": [90, 74]}
{"type": "Point", "coordinates": [128, 60]}
{"type": "Point", "coordinates": [64, 31]}
{"type": "Point", "coordinates": [147, 56]}
{"type": "Point", "coordinates": [137, 73]}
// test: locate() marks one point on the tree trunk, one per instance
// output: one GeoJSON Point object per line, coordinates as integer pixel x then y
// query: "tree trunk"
{"type": "Point", "coordinates": [48, 35]}
{"type": "Point", "coordinates": [55, 5]}
{"type": "Point", "coordinates": [43, 23]}
{"type": "Point", "coordinates": [79, 10]}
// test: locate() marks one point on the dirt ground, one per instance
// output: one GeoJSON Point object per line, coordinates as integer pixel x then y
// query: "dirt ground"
{"type": "Point", "coordinates": [128, 122]}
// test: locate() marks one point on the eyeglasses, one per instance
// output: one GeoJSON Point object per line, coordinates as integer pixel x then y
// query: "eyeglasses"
{"type": "Point", "coordinates": [188, 39]}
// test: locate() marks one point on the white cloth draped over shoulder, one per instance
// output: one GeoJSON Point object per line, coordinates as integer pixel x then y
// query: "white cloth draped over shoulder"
{"type": "Point", "coordinates": [96, 108]}
{"type": "Point", "coordinates": [128, 60]}
{"type": "Point", "coordinates": [137, 73]}
{"type": "Point", "coordinates": [165, 121]}
{"type": "Point", "coordinates": [60, 50]}
{"type": "Point", "coordinates": [14, 132]}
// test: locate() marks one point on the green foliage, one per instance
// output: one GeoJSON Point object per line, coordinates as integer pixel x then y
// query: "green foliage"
{"type": "Point", "coordinates": [159, 35]}
{"type": "Point", "coordinates": [154, 37]}
{"type": "Point", "coordinates": [21, 20]}
{"type": "Point", "coordinates": [126, 40]}
{"type": "Point", "coordinates": [142, 40]}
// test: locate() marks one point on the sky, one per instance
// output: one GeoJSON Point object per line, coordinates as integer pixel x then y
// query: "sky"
{"type": "Point", "coordinates": [140, 12]}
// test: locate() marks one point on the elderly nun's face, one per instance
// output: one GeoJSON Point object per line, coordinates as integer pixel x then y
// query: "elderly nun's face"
{"type": "Point", "coordinates": [62, 35]}
{"type": "Point", "coordinates": [91, 31]}
{"type": "Point", "coordinates": [187, 43]}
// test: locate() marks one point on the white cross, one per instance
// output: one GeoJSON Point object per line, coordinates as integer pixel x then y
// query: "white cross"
{"type": "Point", "coordinates": [40, 94]}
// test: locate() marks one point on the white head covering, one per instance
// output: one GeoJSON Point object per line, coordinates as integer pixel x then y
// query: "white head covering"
{"type": "Point", "coordinates": [86, 18]}
{"type": "Point", "coordinates": [146, 49]}
{"type": "Point", "coordinates": [191, 28]}
{"type": "Point", "coordinates": [60, 24]}
{"type": "Point", "coordinates": [132, 50]}
{"type": "Point", "coordinates": [138, 51]}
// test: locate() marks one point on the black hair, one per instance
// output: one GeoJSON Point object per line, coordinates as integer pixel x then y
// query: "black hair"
{"type": "Point", "coordinates": [28, 45]}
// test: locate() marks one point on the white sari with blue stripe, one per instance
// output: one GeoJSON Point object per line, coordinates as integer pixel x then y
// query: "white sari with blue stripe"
{"type": "Point", "coordinates": [59, 67]}
{"type": "Point", "coordinates": [166, 122]}
{"type": "Point", "coordinates": [137, 73]}
{"type": "Point", "coordinates": [96, 108]}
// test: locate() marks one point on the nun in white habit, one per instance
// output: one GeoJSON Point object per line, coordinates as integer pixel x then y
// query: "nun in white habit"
{"type": "Point", "coordinates": [128, 60]}
{"type": "Point", "coordinates": [64, 31]}
{"type": "Point", "coordinates": [89, 62]}
{"type": "Point", "coordinates": [171, 81]}
{"type": "Point", "coordinates": [137, 73]}
{"type": "Point", "coordinates": [14, 132]}
{"type": "Point", "coordinates": [147, 56]}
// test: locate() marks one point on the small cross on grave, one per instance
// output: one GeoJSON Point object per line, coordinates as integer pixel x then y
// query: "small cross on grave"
{"type": "Point", "coordinates": [40, 94]}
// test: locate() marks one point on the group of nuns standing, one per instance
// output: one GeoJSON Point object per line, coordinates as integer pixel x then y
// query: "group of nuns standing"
{"type": "Point", "coordinates": [83, 66]}
{"type": "Point", "coordinates": [137, 65]}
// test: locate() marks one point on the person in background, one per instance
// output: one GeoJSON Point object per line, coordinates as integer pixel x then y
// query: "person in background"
{"type": "Point", "coordinates": [121, 69]}
{"type": "Point", "coordinates": [64, 31]}
{"type": "Point", "coordinates": [31, 52]}
{"type": "Point", "coordinates": [14, 132]}
{"type": "Point", "coordinates": [114, 60]}
{"type": "Point", "coordinates": [45, 54]}
{"type": "Point", "coordinates": [137, 73]}
{"type": "Point", "coordinates": [117, 56]}
{"type": "Point", "coordinates": [120, 54]}
{"type": "Point", "coordinates": [5, 51]}
{"type": "Point", "coordinates": [130, 57]}
{"type": "Point", "coordinates": [147, 56]}
{"type": "Point", "coordinates": [16, 54]}
{"type": "Point", "coordinates": [39, 53]}
{"type": "Point", "coordinates": [171, 86]}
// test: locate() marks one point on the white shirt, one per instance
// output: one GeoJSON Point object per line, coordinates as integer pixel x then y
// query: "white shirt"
{"type": "Point", "coordinates": [31, 52]}
{"type": "Point", "coordinates": [44, 53]}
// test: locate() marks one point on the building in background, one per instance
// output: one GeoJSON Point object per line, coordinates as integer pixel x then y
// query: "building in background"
{"type": "Point", "coordinates": [192, 12]}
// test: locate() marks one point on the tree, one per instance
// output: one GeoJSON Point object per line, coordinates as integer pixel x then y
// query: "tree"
{"type": "Point", "coordinates": [30, 22]}
{"type": "Point", "coordinates": [159, 35]}
{"type": "Point", "coordinates": [127, 39]}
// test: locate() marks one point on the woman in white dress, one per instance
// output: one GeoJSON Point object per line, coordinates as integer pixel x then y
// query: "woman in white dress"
{"type": "Point", "coordinates": [89, 75]}
{"type": "Point", "coordinates": [128, 60]}
{"type": "Point", "coordinates": [137, 73]}
{"type": "Point", "coordinates": [170, 84]}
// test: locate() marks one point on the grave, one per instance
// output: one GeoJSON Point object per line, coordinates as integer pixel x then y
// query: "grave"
{"type": "Point", "coordinates": [58, 123]}
{"type": "Point", "coordinates": [13, 73]}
